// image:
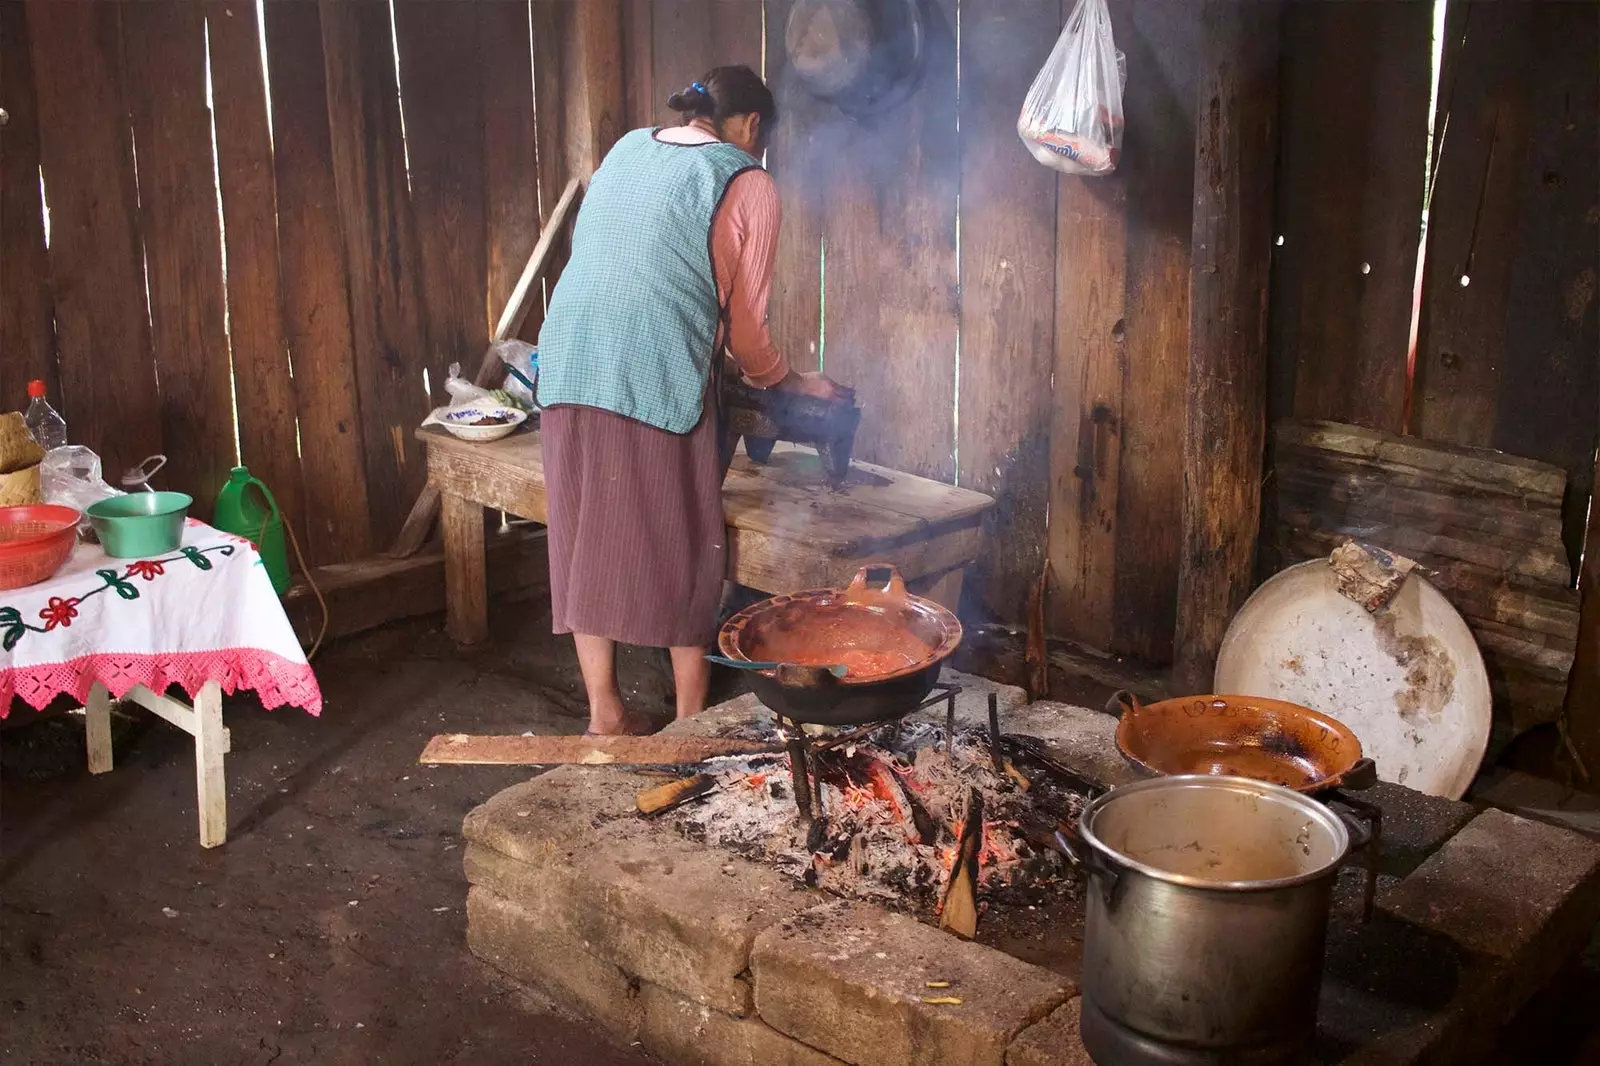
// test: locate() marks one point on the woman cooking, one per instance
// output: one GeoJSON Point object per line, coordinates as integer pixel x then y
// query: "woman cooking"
{"type": "Point", "coordinates": [671, 266]}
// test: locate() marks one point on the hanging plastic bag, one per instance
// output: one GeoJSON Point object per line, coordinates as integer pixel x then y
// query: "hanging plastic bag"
{"type": "Point", "coordinates": [1071, 120]}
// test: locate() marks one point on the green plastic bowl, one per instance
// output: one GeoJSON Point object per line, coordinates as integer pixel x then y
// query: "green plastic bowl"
{"type": "Point", "coordinates": [140, 524]}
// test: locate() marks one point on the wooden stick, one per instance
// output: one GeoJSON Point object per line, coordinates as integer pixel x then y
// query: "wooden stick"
{"type": "Point", "coordinates": [469, 750]}
{"type": "Point", "coordinates": [674, 793]}
{"type": "Point", "coordinates": [418, 526]}
{"type": "Point", "coordinates": [959, 914]}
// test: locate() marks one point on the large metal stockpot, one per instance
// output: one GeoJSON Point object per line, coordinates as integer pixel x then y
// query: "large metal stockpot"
{"type": "Point", "coordinates": [1207, 916]}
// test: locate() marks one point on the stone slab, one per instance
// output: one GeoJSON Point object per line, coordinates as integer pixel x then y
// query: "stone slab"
{"type": "Point", "coordinates": [675, 913]}
{"type": "Point", "coordinates": [1415, 824]}
{"type": "Point", "coordinates": [1511, 889]}
{"type": "Point", "coordinates": [685, 1033]}
{"type": "Point", "coordinates": [515, 942]}
{"type": "Point", "coordinates": [1052, 1042]}
{"type": "Point", "coordinates": [851, 980]}
{"type": "Point", "coordinates": [1083, 740]}
{"type": "Point", "coordinates": [566, 806]}
{"type": "Point", "coordinates": [972, 702]}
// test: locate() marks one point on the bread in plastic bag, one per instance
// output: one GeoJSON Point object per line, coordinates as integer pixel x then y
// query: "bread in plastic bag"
{"type": "Point", "coordinates": [1071, 120]}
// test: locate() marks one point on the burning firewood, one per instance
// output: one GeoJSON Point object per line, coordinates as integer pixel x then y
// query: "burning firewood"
{"type": "Point", "coordinates": [959, 913]}
{"type": "Point", "coordinates": [667, 796]}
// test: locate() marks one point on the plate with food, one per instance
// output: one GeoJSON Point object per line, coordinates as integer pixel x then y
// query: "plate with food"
{"type": "Point", "coordinates": [478, 421]}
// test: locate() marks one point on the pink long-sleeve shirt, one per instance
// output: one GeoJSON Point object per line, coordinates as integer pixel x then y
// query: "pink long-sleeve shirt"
{"type": "Point", "coordinates": [744, 246]}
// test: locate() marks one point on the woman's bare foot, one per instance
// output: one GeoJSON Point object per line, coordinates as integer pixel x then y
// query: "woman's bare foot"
{"type": "Point", "coordinates": [625, 724]}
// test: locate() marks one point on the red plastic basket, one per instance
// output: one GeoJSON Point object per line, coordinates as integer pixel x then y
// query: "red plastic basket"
{"type": "Point", "coordinates": [35, 540]}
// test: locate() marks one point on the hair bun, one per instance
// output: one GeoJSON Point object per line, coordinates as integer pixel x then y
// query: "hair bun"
{"type": "Point", "coordinates": [693, 100]}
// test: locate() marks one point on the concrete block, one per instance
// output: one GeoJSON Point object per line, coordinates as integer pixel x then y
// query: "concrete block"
{"type": "Point", "coordinates": [515, 942]}
{"type": "Point", "coordinates": [1052, 1042]}
{"type": "Point", "coordinates": [674, 913]}
{"type": "Point", "coordinates": [1415, 824]}
{"type": "Point", "coordinates": [852, 980]}
{"type": "Point", "coordinates": [1084, 741]}
{"type": "Point", "coordinates": [1511, 889]}
{"type": "Point", "coordinates": [688, 1034]}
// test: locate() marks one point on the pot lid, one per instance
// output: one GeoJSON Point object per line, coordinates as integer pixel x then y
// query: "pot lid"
{"type": "Point", "coordinates": [863, 55]}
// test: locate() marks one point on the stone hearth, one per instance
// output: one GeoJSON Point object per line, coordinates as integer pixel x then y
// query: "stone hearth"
{"type": "Point", "coordinates": [705, 957]}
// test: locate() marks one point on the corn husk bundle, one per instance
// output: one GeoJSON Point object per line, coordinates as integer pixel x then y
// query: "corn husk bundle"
{"type": "Point", "coordinates": [19, 462]}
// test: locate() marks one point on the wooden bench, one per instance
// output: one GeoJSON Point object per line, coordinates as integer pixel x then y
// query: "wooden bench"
{"type": "Point", "coordinates": [786, 529]}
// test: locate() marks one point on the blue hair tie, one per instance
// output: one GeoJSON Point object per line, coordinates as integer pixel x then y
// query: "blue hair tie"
{"type": "Point", "coordinates": [701, 89]}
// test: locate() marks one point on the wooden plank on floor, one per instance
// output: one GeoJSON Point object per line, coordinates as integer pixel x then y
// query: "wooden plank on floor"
{"type": "Point", "coordinates": [799, 169]}
{"type": "Point", "coordinates": [1356, 80]}
{"type": "Point", "coordinates": [262, 378]}
{"type": "Point", "coordinates": [511, 160]}
{"type": "Point", "coordinates": [314, 292]}
{"type": "Point", "coordinates": [457, 749]}
{"type": "Point", "coordinates": [108, 381]}
{"type": "Point", "coordinates": [369, 593]}
{"type": "Point", "coordinates": [27, 310]}
{"type": "Point", "coordinates": [1225, 423]}
{"type": "Point", "coordinates": [382, 253]}
{"type": "Point", "coordinates": [1008, 284]}
{"type": "Point", "coordinates": [1473, 219]}
{"type": "Point", "coordinates": [442, 77]}
{"type": "Point", "coordinates": [164, 45]}
{"type": "Point", "coordinates": [891, 284]}
{"type": "Point", "coordinates": [1162, 40]}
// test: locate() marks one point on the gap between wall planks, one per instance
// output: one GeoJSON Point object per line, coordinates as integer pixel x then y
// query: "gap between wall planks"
{"type": "Point", "coordinates": [1355, 84]}
{"type": "Point", "coordinates": [262, 378]}
{"type": "Point", "coordinates": [1008, 283]}
{"type": "Point", "coordinates": [387, 294]}
{"type": "Point", "coordinates": [316, 314]}
{"type": "Point", "coordinates": [164, 47]}
{"type": "Point", "coordinates": [108, 385]}
{"type": "Point", "coordinates": [27, 328]}
{"type": "Point", "coordinates": [441, 91]}
{"type": "Point", "coordinates": [1508, 361]}
{"type": "Point", "coordinates": [891, 285]}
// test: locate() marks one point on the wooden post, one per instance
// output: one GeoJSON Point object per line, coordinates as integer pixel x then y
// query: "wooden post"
{"type": "Point", "coordinates": [210, 746]}
{"type": "Point", "coordinates": [466, 594]}
{"type": "Point", "coordinates": [1583, 684]}
{"type": "Point", "coordinates": [1225, 420]}
{"type": "Point", "coordinates": [595, 97]}
{"type": "Point", "coordinates": [97, 729]}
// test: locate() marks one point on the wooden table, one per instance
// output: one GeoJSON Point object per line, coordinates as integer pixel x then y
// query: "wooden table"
{"type": "Point", "coordinates": [786, 529]}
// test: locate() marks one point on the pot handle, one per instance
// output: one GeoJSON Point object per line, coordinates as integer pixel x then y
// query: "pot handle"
{"type": "Point", "coordinates": [1123, 702]}
{"type": "Point", "coordinates": [879, 583]}
{"type": "Point", "coordinates": [1363, 774]}
{"type": "Point", "coordinates": [1078, 852]}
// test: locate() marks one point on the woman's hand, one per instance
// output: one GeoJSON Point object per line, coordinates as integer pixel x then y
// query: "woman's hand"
{"type": "Point", "coordinates": [811, 383]}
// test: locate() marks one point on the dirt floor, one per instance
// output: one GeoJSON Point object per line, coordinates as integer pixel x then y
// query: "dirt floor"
{"type": "Point", "coordinates": [330, 928]}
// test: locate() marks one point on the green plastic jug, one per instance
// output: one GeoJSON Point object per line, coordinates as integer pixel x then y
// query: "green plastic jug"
{"type": "Point", "coordinates": [243, 513]}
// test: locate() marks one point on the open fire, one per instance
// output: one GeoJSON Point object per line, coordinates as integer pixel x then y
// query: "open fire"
{"type": "Point", "coordinates": [890, 819]}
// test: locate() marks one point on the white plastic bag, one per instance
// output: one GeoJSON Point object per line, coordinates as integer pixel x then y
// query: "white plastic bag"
{"type": "Point", "coordinates": [521, 360]}
{"type": "Point", "coordinates": [1071, 120]}
{"type": "Point", "coordinates": [71, 476]}
{"type": "Point", "coordinates": [460, 389]}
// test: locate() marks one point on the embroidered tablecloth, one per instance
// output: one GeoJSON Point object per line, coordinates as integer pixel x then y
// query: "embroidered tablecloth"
{"type": "Point", "coordinates": [205, 612]}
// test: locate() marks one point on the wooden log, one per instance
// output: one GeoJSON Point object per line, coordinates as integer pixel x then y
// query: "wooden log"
{"type": "Point", "coordinates": [264, 385]}
{"type": "Point", "coordinates": [1453, 464]}
{"type": "Point", "coordinates": [674, 794]}
{"type": "Point", "coordinates": [164, 42]}
{"type": "Point", "coordinates": [316, 298]}
{"type": "Point", "coordinates": [1225, 422]}
{"type": "Point", "coordinates": [463, 749]}
{"type": "Point", "coordinates": [107, 369]}
{"type": "Point", "coordinates": [958, 913]}
{"type": "Point", "coordinates": [27, 309]}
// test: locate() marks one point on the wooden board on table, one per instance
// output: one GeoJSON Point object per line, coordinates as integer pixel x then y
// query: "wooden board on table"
{"type": "Point", "coordinates": [1162, 40]}
{"type": "Point", "coordinates": [442, 80]}
{"type": "Point", "coordinates": [164, 44]}
{"type": "Point", "coordinates": [794, 313]}
{"type": "Point", "coordinates": [262, 378]}
{"type": "Point", "coordinates": [1355, 85]}
{"type": "Point", "coordinates": [1008, 284]}
{"type": "Point", "coordinates": [511, 160]}
{"type": "Point", "coordinates": [381, 253]}
{"type": "Point", "coordinates": [891, 283]}
{"type": "Point", "coordinates": [27, 310]}
{"type": "Point", "coordinates": [108, 380]}
{"type": "Point", "coordinates": [466, 749]}
{"type": "Point", "coordinates": [313, 288]}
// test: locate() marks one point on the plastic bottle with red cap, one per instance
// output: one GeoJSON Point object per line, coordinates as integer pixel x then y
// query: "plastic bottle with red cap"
{"type": "Point", "coordinates": [44, 422]}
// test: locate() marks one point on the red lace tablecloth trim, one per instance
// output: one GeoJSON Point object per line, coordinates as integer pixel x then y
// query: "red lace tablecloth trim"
{"type": "Point", "coordinates": [275, 680]}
